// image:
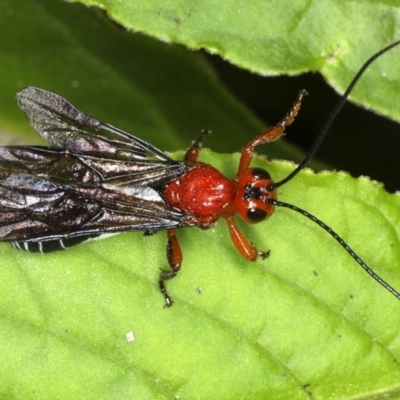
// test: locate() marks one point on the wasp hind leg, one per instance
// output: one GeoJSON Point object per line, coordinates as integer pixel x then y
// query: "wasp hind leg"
{"type": "Point", "coordinates": [174, 257]}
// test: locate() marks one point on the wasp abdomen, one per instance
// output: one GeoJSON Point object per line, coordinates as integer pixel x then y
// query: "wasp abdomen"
{"type": "Point", "coordinates": [51, 245]}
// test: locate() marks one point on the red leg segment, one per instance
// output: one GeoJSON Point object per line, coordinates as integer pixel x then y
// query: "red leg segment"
{"type": "Point", "coordinates": [193, 151]}
{"type": "Point", "coordinates": [245, 248]}
{"type": "Point", "coordinates": [269, 135]}
{"type": "Point", "coordinates": [174, 257]}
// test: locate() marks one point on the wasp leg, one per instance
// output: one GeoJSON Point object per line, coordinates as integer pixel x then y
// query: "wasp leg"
{"type": "Point", "coordinates": [149, 232]}
{"type": "Point", "coordinates": [193, 151]}
{"type": "Point", "coordinates": [270, 135]}
{"type": "Point", "coordinates": [174, 256]}
{"type": "Point", "coordinates": [245, 248]}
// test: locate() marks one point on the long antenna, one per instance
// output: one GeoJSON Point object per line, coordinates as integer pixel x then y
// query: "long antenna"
{"type": "Point", "coordinates": [341, 242]}
{"type": "Point", "coordinates": [332, 117]}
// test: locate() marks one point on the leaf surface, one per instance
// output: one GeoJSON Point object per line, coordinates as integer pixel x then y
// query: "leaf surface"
{"type": "Point", "coordinates": [306, 320]}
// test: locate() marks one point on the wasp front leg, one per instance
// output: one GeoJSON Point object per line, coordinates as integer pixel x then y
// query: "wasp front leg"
{"type": "Point", "coordinates": [245, 248]}
{"type": "Point", "coordinates": [270, 135]}
{"type": "Point", "coordinates": [174, 257]}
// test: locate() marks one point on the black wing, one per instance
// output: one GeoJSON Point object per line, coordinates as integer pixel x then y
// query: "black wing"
{"type": "Point", "coordinates": [63, 126]}
{"type": "Point", "coordinates": [34, 209]}
{"type": "Point", "coordinates": [62, 166]}
{"type": "Point", "coordinates": [109, 153]}
{"type": "Point", "coordinates": [94, 179]}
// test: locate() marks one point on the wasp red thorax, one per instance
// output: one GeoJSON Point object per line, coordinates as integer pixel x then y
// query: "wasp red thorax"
{"type": "Point", "coordinates": [204, 192]}
{"type": "Point", "coordinates": [209, 195]}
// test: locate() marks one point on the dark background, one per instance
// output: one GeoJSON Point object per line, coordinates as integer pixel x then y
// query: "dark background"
{"type": "Point", "coordinates": [360, 142]}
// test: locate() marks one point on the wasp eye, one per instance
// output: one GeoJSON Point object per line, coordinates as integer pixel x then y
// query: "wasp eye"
{"type": "Point", "coordinates": [260, 173]}
{"type": "Point", "coordinates": [256, 215]}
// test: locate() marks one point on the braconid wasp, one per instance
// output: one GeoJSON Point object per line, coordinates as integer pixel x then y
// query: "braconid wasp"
{"type": "Point", "coordinates": [96, 179]}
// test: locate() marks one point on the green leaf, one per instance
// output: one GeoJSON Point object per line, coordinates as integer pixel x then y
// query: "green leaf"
{"type": "Point", "coordinates": [271, 37]}
{"type": "Point", "coordinates": [306, 320]}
